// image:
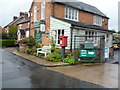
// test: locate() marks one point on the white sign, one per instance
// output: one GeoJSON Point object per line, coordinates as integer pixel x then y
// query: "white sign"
{"type": "Point", "coordinates": [42, 27]}
{"type": "Point", "coordinates": [106, 52]}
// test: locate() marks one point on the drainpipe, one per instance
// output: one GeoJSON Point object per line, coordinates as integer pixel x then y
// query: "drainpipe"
{"type": "Point", "coordinates": [71, 31]}
{"type": "Point", "coordinates": [30, 24]}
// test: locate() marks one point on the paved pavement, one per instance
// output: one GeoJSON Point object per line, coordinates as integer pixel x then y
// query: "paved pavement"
{"type": "Point", "coordinates": [18, 72]}
{"type": "Point", "coordinates": [103, 74]}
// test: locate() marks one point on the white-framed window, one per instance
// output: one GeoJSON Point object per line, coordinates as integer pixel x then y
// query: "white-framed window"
{"type": "Point", "coordinates": [43, 10]}
{"type": "Point", "coordinates": [91, 33]}
{"type": "Point", "coordinates": [58, 33]}
{"type": "Point", "coordinates": [71, 13]}
{"type": "Point", "coordinates": [35, 13]}
{"type": "Point", "coordinates": [97, 20]}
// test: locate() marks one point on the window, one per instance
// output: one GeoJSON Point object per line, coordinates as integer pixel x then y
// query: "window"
{"type": "Point", "coordinates": [58, 33]}
{"type": "Point", "coordinates": [35, 13]}
{"type": "Point", "coordinates": [98, 20]}
{"type": "Point", "coordinates": [43, 10]}
{"type": "Point", "coordinates": [91, 33]}
{"type": "Point", "coordinates": [71, 13]}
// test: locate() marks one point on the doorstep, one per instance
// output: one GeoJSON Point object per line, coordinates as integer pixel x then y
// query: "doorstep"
{"type": "Point", "coordinates": [40, 61]}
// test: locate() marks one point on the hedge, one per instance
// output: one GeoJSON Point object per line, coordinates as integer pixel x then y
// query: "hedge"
{"type": "Point", "coordinates": [7, 42]}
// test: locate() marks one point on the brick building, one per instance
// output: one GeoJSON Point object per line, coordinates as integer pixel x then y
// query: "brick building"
{"type": "Point", "coordinates": [55, 18]}
{"type": "Point", "coordinates": [15, 21]}
{"type": "Point", "coordinates": [23, 28]}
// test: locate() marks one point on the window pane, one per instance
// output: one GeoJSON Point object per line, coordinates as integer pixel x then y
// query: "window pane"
{"type": "Point", "coordinates": [75, 14]}
{"type": "Point", "coordinates": [69, 13]}
{"type": "Point", "coordinates": [62, 32]}
{"type": "Point", "coordinates": [66, 12]}
{"type": "Point", "coordinates": [58, 36]}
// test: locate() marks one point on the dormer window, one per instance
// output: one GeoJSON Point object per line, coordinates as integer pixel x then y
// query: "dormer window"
{"type": "Point", "coordinates": [35, 13]}
{"type": "Point", "coordinates": [71, 14]}
{"type": "Point", "coordinates": [98, 20]}
{"type": "Point", "coordinates": [43, 10]}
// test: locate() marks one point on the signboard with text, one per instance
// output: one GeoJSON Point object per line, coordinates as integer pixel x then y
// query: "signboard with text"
{"type": "Point", "coordinates": [87, 53]}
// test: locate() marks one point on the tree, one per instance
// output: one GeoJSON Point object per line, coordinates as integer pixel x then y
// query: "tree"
{"type": "Point", "coordinates": [13, 32]}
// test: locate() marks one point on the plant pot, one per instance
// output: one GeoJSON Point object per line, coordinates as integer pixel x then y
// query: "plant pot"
{"type": "Point", "coordinates": [22, 47]}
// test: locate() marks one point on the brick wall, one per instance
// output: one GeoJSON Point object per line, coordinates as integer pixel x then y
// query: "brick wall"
{"type": "Point", "coordinates": [24, 25]}
{"type": "Point", "coordinates": [105, 23]}
{"type": "Point", "coordinates": [85, 17]}
{"type": "Point", "coordinates": [48, 12]}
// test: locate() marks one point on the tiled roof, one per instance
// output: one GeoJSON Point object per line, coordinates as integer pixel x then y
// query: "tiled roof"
{"type": "Point", "coordinates": [25, 20]}
{"type": "Point", "coordinates": [13, 21]}
{"type": "Point", "coordinates": [82, 6]}
{"type": "Point", "coordinates": [84, 25]}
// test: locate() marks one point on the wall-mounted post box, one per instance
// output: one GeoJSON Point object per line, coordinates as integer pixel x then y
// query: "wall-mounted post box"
{"type": "Point", "coordinates": [63, 41]}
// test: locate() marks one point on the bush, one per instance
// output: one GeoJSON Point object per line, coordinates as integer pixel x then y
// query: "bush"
{"type": "Point", "coordinates": [53, 45]}
{"type": "Point", "coordinates": [55, 56]}
{"type": "Point", "coordinates": [4, 36]}
{"type": "Point", "coordinates": [7, 42]}
{"type": "Point", "coordinates": [31, 41]}
{"type": "Point", "coordinates": [28, 51]}
{"type": "Point", "coordinates": [34, 51]}
{"type": "Point", "coordinates": [69, 60]}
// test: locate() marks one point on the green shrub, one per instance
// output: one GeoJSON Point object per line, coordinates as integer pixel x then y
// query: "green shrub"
{"type": "Point", "coordinates": [55, 56]}
{"type": "Point", "coordinates": [31, 41]}
{"type": "Point", "coordinates": [69, 60]}
{"type": "Point", "coordinates": [37, 45]}
{"type": "Point", "coordinates": [53, 45]}
{"type": "Point", "coordinates": [7, 42]}
{"type": "Point", "coordinates": [41, 54]}
{"type": "Point", "coordinates": [4, 36]}
{"type": "Point", "coordinates": [28, 51]}
{"type": "Point", "coordinates": [69, 54]}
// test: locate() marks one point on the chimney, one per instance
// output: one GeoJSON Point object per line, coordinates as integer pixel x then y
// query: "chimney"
{"type": "Point", "coordinates": [21, 14]}
{"type": "Point", "coordinates": [25, 14]}
{"type": "Point", "coordinates": [14, 18]}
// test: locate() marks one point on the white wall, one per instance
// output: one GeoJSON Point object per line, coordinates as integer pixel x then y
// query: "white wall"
{"type": "Point", "coordinates": [56, 24]}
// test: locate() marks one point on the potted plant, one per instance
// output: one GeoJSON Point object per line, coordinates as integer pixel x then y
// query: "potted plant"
{"type": "Point", "coordinates": [23, 45]}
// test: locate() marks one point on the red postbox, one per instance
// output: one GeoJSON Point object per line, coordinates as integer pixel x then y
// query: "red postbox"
{"type": "Point", "coordinates": [63, 41]}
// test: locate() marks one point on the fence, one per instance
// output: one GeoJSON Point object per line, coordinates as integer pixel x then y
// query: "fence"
{"type": "Point", "coordinates": [89, 48]}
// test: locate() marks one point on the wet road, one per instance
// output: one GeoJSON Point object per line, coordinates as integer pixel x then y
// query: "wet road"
{"type": "Point", "coordinates": [21, 73]}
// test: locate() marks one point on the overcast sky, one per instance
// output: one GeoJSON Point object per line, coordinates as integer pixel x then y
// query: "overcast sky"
{"type": "Point", "coordinates": [10, 8]}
